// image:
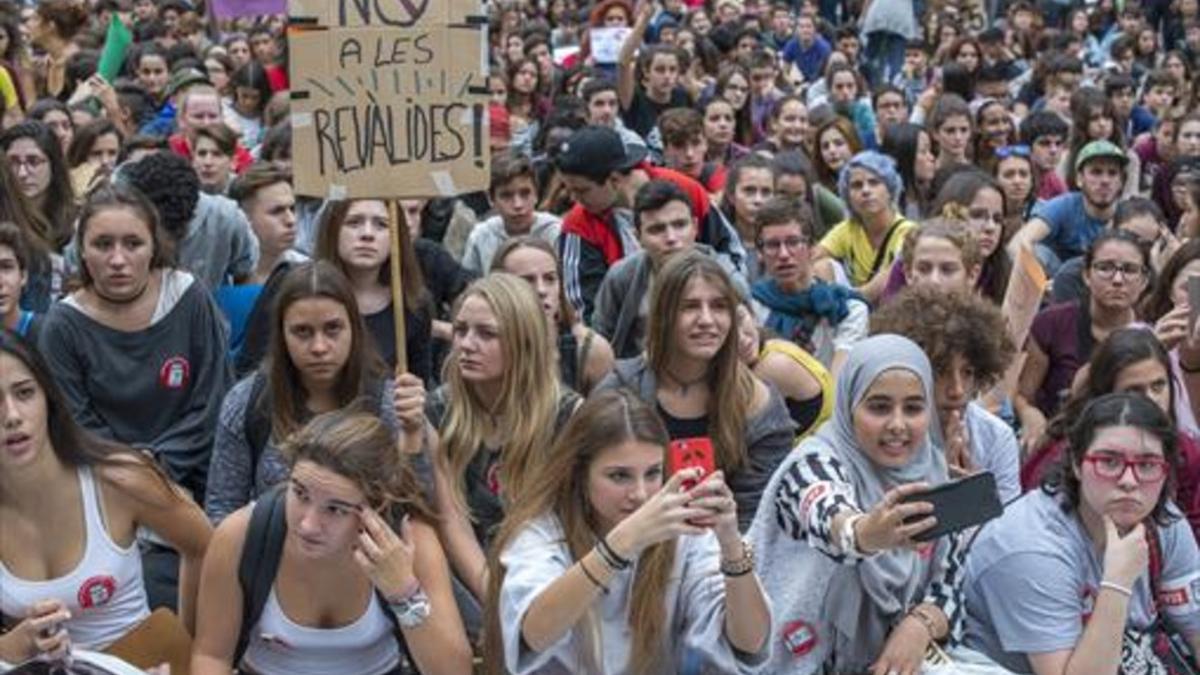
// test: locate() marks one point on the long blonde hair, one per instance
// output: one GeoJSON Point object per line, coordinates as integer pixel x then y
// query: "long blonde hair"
{"type": "Point", "coordinates": [731, 384]}
{"type": "Point", "coordinates": [559, 488]}
{"type": "Point", "coordinates": [529, 390]}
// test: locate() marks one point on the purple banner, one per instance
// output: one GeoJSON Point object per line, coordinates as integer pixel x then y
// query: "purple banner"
{"type": "Point", "coordinates": [229, 9]}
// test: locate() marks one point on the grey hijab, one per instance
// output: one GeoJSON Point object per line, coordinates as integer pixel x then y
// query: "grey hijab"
{"type": "Point", "coordinates": [865, 600]}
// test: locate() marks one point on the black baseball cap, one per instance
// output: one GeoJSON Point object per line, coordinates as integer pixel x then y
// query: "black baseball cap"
{"type": "Point", "coordinates": [597, 151]}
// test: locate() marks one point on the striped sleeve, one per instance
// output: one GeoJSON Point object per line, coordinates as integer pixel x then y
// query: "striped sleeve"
{"type": "Point", "coordinates": [945, 591]}
{"type": "Point", "coordinates": [568, 252]}
{"type": "Point", "coordinates": [812, 491]}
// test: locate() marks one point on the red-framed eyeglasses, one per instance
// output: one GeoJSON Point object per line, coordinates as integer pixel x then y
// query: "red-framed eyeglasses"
{"type": "Point", "coordinates": [1113, 465]}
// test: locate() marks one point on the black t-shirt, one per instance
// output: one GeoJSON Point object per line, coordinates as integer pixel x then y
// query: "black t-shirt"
{"type": "Point", "coordinates": [418, 329]}
{"type": "Point", "coordinates": [642, 114]}
{"type": "Point", "coordinates": [679, 427]}
{"type": "Point", "coordinates": [482, 480]}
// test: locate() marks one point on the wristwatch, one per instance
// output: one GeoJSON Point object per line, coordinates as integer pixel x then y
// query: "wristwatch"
{"type": "Point", "coordinates": [741, 566]}
{"type": "Point", "coordinates": [413, 610]}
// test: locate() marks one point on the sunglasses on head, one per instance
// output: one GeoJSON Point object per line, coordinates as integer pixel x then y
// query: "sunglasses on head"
{"type": "Point", "coordinates": [1012, 151]}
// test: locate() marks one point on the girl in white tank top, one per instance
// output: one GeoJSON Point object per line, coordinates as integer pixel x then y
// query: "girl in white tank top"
{"type": "Point", "coordinates": [347, 539]}
{"type": "Point", "coordinates": [104, 593]}
{"type": "Point", "coordinates": [64, 578]}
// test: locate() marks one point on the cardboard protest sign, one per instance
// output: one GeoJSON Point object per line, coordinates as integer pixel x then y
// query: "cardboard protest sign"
{"type": "Point", "coordinates": [1026, 286]}
{"type": "Point", "coordinates": [232, 9]}
{"type": "Point", "coordinates": [386, 13]}
{"type": "Point", "coordinates": [389, 97]}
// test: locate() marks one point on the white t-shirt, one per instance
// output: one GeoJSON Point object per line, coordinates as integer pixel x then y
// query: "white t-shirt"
{"type": "Point", "coordinates": [694, 598]}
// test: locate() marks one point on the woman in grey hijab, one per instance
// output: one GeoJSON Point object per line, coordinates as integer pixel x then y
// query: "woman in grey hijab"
{"type": "Point", "coordinates": [852, 591]}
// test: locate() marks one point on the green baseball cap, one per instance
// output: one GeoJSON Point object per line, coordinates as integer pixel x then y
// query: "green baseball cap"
{"type": "Point", "coordinates": [1097, 149]}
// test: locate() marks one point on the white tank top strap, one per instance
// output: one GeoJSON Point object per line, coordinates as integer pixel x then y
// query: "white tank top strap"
{"type": "Point", "coordinates": [96, 519]}
{"type": "Point", "coordinates": [280, 646]}
{"type": "Point", "coordinates": [104, 591]}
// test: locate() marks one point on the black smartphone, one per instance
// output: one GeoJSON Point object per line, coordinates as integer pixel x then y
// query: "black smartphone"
{"type": "Point", "coordinates": [959, 504]}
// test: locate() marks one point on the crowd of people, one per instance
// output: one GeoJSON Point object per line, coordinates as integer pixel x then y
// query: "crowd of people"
{"type": "Point", "coordinates": [753, 282]}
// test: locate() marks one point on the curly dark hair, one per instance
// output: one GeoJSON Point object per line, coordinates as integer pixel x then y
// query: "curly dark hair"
{"type": "Point", "coordinates": [1110, 410]}
{"type": "Point", "coordinates": [946, 323]}
{"type": "Point", "coordinates": [171, 183]}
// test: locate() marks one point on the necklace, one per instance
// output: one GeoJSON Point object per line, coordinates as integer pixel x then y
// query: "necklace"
{"type": "Point", "coordinates": [683, 384]}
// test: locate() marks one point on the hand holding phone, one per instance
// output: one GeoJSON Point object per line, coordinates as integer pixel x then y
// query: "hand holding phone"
{"type": "Point", "coordinates": [686, 453]}
{"type": "Point", "coordinates": [957, 505]}
{"type": "Point", "coordinates": [893, 522]}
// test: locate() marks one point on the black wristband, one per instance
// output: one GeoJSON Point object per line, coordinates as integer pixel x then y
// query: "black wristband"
{"type": "Point", "coordinates": [592, 578]}
{"type": "Point", "coordinates": [610, 556]}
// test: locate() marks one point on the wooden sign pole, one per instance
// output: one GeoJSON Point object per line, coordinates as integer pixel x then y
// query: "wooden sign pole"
{"type": "Point", "coordinates": [398, 224]}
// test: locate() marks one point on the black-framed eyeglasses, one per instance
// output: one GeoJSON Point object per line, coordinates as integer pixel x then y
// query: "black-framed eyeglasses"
{"type": "Point", "coordinates": [773, 246]}
{"type": "Point", "coordinates": [1107, 269]}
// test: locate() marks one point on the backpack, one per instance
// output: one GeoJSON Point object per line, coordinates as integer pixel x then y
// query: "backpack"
{"type": "Point", "coordinates": [259, 564]}
{"type": "Point", "coordinates": [256, 423]}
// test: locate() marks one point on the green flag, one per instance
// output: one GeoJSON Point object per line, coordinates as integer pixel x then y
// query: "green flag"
{"type": "Point", "coordinates": [116, 43]}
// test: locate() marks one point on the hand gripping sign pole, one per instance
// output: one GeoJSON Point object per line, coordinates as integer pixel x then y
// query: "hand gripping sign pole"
{"type": "Point", "coordinates": [389, 101]}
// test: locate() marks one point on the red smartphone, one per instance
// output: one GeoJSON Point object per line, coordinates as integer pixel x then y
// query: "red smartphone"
{"type": "Point", "coordinates": [685, 453]}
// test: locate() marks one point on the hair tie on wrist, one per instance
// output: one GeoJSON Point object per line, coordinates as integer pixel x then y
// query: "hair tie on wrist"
{"type": "Point", "coordinates": [1127, 592]}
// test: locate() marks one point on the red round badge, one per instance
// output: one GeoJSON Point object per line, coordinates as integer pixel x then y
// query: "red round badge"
{"type": "Point", "coordinates": [96, 591]}
{"type": "Point", "coordinates": [175, 373]}
{"type": "Point", "coordinates": [799, 637]}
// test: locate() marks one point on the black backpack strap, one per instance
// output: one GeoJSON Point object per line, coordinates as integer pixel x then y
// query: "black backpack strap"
{"type": "Point", "coordinates": [261, 553]}
{"type": "Point", "coordinates": [256, 423]}
{"type": "Point", "coordinates": [883, 248]}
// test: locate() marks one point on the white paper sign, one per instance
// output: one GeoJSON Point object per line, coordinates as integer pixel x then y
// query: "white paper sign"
{"type": "Point", "coordinates": [606, 43]}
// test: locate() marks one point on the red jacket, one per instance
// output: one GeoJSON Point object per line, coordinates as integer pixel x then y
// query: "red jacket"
{"type": "Point", "coordinates": [242, 158]}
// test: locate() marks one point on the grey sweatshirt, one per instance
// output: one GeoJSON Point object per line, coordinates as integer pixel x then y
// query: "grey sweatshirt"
{"type": "Point", "coordinates": [219, 245]}
{"type": "Point", "coordinates": [158, 388]}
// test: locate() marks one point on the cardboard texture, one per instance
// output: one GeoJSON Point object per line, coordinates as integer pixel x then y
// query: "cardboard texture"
{"type": "Point", "coordinates": [1026, 287]}
{"type": "Point", "coordinates": [389, 98]}
{"type": "Point", "coordinates": [384, 13]}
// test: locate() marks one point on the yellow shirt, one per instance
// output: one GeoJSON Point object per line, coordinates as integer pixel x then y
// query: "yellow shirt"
{"type": "Point", "coordinates": [8, 90]}
{"type": "Point", "coordinates": [847, 243]}
{"type": "Point", "coordinates": [809, 363]}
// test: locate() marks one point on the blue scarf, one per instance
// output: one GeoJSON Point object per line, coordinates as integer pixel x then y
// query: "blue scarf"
{"type": "Point", "coordinates": [796, 315]}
